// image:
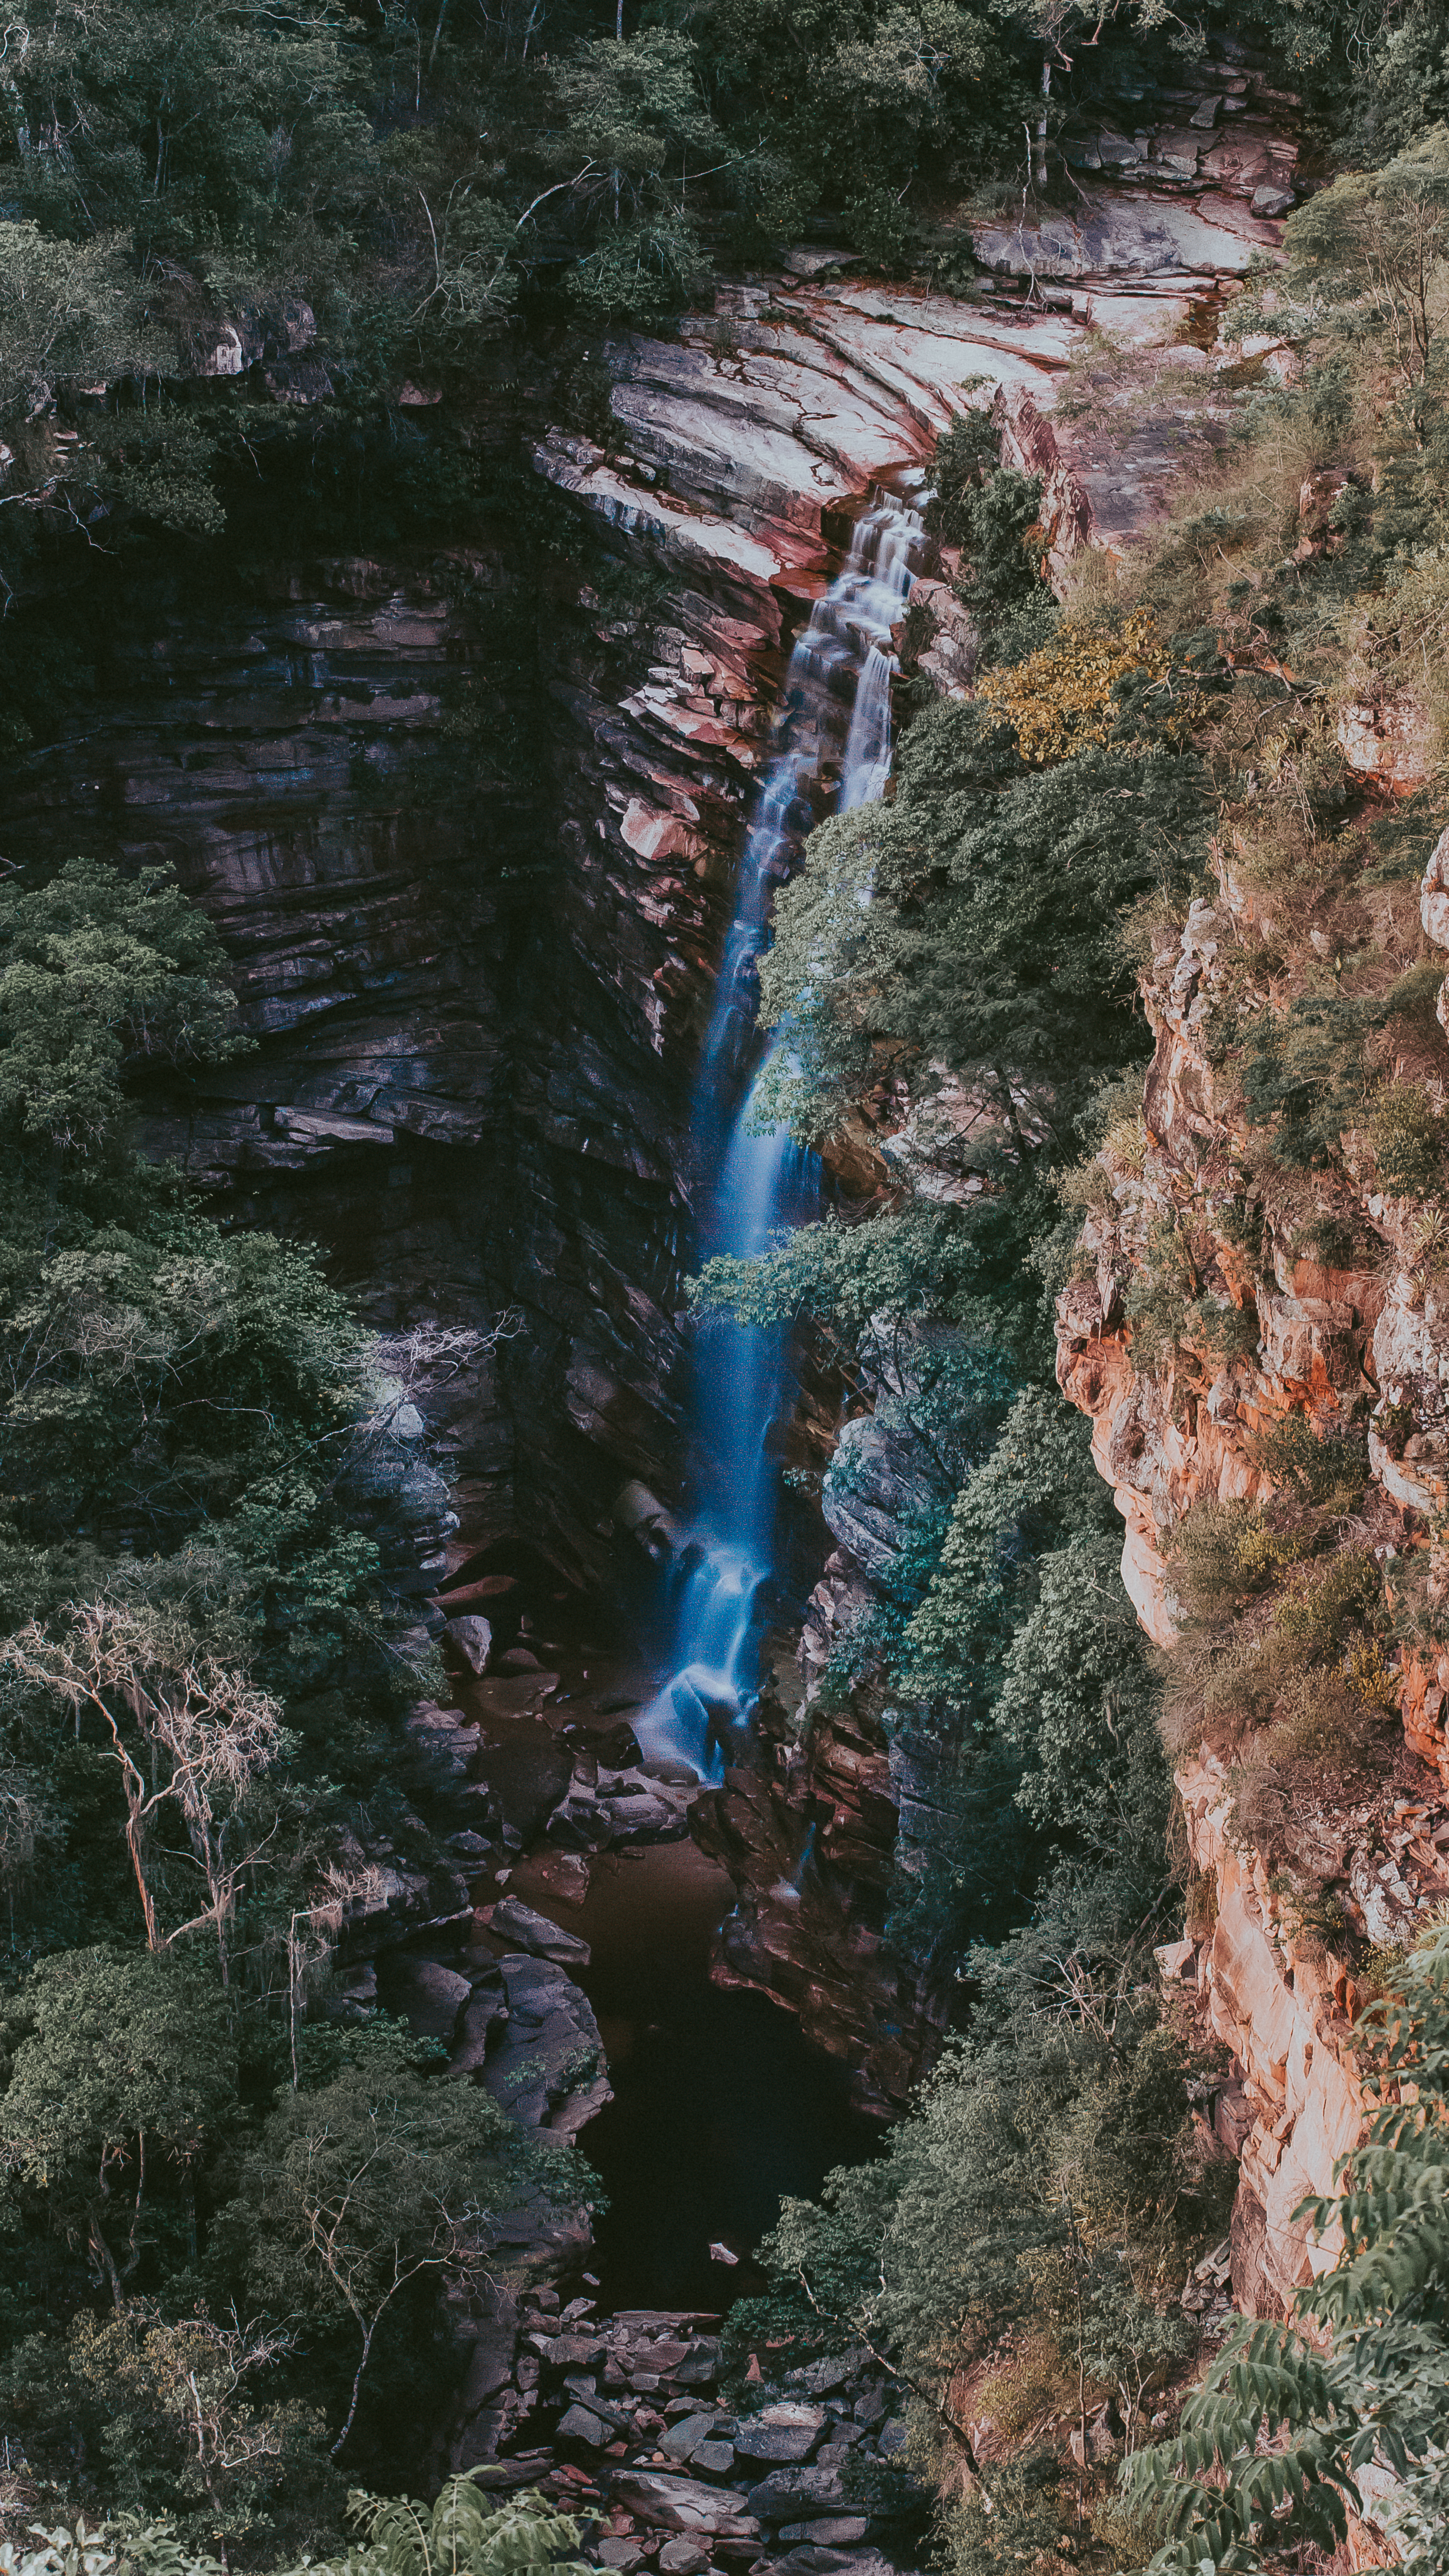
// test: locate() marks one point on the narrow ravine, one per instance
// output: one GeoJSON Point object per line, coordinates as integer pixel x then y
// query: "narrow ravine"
{"type": "Point", "coordinates": [719, 2105]}
{"type": "Point", "coordinates": [716, 2104]}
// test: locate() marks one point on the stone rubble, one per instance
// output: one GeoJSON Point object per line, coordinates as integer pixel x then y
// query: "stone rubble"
{"type": "Point", "coordinates": [616, 2419]}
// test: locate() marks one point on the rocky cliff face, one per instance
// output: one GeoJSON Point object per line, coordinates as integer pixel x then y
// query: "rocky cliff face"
{"type": "Point", "coordinates": [468, 818]}
{"type": "Point", "coordinates": [1316, 1342]}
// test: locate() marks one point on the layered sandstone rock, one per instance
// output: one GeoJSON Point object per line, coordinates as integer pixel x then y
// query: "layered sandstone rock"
{"type": "Point", "coordinates": [1285, 2006]}
{"type": "Point", "coordinates": [468, 818]}
{"type": "Point", "coordinates": [807, 1825]}
{"type": "Point", "coordinates": [1317, 1340]}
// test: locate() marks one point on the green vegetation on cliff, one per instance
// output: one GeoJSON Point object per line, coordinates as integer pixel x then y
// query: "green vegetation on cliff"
{"type": "Point", "coordinates": [1248, 718]}
{"type": "Point", "coordinates": [230, 231]}
{"type": "Point", "coordinates": [223, 2223]}
{"type": "Point", "coordinates": [202, 1658]}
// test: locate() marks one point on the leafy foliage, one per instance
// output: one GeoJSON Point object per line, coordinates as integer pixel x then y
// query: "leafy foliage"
{"type": "Point", "coordinates": [463, 2532]}
{"type": "Point", "coordinates": [181, 1570]}
{"type": "Point", "coordinates": [977, 930]}
{"type": "Point", "coordinates": [1272, 2448]}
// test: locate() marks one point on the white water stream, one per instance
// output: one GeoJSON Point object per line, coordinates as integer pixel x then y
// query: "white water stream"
{"type": "Point", "coordinates": [833, 746]}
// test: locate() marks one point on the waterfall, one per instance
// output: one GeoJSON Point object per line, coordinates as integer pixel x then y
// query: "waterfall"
{"type": "Point", "coordinates": [832, 749]}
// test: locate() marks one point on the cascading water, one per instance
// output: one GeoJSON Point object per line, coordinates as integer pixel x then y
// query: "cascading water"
{"type": "Point", "coordinates": [838, 685]}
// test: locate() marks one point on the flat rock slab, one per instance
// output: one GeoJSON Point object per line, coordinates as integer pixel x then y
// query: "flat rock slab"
{"type": "Point", "coordinates": [823, 2378]}
{"type": "Point", "coordinates": [638, 2322]}
{"type": "Point", "coordinates": [815, 2559]}
{"type": "Point", "coordinates": [570, 2352]}
{"type": "Point", "coordinates": [789, 2444]}
{"type": "Point", "coordinates": [664, 2356]}
{"type": "Point", "coordinates": [514, 1921]}
{"type": "Point", "coordinates": [683, 2504]}
{"type": "Point", "coordinates": [797, 2495]}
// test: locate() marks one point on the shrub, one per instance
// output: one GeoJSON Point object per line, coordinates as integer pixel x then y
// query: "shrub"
{"type": "Point", "coordinates": [1316, 1616]}
{"type": "Point", "coordinates": [1408, 1141]}
{"type": "Point", "coordinates": [1061, 697]}
{"type": "Point", "coordinates": [1322, 1466]}
{"type": "Point", "coordinates": [1221, 1556]}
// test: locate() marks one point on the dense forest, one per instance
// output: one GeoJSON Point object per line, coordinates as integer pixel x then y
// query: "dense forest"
{"type": "Point", "coordinates": [226, 2211]}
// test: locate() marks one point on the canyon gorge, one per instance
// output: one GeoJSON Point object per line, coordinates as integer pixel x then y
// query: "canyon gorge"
{"type": "Point", "coordinates": [490, 826]}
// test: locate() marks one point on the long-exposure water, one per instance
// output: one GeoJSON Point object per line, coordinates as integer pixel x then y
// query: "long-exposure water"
{"type": "Point", "coordinates": [832, 749]}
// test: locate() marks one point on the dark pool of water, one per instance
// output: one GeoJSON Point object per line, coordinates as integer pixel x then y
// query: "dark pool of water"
{"type": "Point", "coordinates": [720, 2107]}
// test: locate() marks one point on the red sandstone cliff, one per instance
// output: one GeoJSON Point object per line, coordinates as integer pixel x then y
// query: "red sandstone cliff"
{"type": "Point", "coordinates": [1318, 1342]}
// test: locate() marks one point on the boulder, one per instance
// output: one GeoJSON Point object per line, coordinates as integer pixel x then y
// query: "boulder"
{"type": "Point", "coordinates": [545, 2062]}
{"type": "Point", "coordinates": [429, 1996]}
{"type": "Point", "coordinates": [781, 2434]}
{"type": "Point", "coordinates": [823, 2378]}
{"type": "Point", "coordinates": [485, 2009]}
{"type": "Point", "coordinates": [565, 1875]}
{"type": "Point", "coordinates": [683, 2504]}
{"type": "Point", "coordinates": [832, 2531]}
{"type": "Point", "coordinates": [514, 1921]}
{"type": "Point", "coordinates": [684, 2438]}
{"type": "Point", "coordinates": [1389, 739]}
{"type": "Point", "coordinates": [714, 2459]}
{"type": "Point", "coordinates": [578, 2425]}
{"type": "Point", "coordinates": [682, 2557]}
{"type": "Point", "coordinates": [572, 2352]}
{"type": "Point", "coordinates": [580, 1824]}
{"type": "Point", "coordinates": [473, 1638]}
{"type": "Point", "coordinates": [797, 2495]}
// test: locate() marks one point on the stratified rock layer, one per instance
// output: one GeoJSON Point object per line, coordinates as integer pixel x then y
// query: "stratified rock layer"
{"type": "Point", "coordinates": [1169, 1433]}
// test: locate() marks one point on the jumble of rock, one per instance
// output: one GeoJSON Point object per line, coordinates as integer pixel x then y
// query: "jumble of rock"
{"type": "Point", "coordinates": [618, 2418]}
{"type": "Point", "coordinates": [648, 1802]}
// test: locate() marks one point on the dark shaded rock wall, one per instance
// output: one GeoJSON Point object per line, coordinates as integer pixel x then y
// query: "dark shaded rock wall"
{"type": "Point", "coordinates": [380, 780]}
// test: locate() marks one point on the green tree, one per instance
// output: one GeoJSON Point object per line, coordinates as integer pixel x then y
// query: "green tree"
{"type": "Point", "coordinates": [371, 2184]}
{"type": "Point", "coordinates": [99, 975]}
{"type": "Point", "coordinates": [974, 925]}
{"type": "Point", "coordinates": [121, 2068]}
{"type": "Point", "coordinates": [631, 123]}
{"type": "Point", "coordinates": [68, 309]}
{"type": "Point", "coordinates": [194, 128]}
{"type": "Point", "coordinates": [1043, 2183]}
